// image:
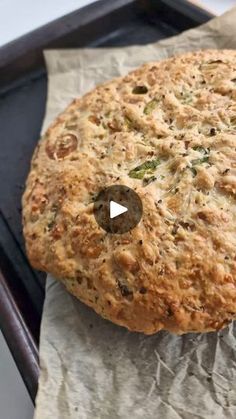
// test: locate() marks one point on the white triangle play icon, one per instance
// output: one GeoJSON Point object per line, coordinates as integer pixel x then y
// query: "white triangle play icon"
{"type": "Point", "coordinates": [116, 209]}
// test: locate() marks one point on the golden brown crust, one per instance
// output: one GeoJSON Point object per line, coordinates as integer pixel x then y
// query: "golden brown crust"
{"type": "Point", "coordinates": [177, 269]}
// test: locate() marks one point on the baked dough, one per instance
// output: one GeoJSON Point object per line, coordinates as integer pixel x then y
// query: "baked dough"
{"type": "Point", "coordinates": [168, 131]}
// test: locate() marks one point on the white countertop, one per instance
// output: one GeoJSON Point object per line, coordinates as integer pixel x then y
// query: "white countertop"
{"type": "Point", "coordinates": [19, 17]}
{"type": "Point", "coordinates": [14, 399]}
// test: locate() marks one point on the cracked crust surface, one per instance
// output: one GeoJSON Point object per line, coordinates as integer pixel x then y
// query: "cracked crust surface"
{"type": "Point", "coordinates": [168, 131]}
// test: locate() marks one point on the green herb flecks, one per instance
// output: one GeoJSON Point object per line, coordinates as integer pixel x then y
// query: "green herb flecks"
{"type": "Point", "coordinates": [210, 65]}
{"type": "Point", "coordinates": [148, 180]}
{"type": "Point", "coordinates": [193, 170]}
{"type": "Point", "coordinates": [72, 124]}
{"type": "Point", "coordinates": [233, 120]}
{"type": "Point", "coordinates": [51, 224]}
{"type": "Point", "coordinates": [201, 149]}
{"type": "Point", "coordinates": [52, 221]}
{"type": "Point", "coordinates": [150, 106]}
{"type": "Point", "coordinates": [196, 162]}
{"type": "Point", "coordinates": [128, 123]}
{"type": "Point", "coordinates": [204, 159]}
{"type": "Point", "coordinates": [186, 96]}
{"type": "Point", "coordinates": [71, 127]}
{"type": "Point", "coordinates": [146, 168]}
{"type": "Point", "coordinates": [187, 99]}
{"type": "Point", "coordinates": [139, 90]}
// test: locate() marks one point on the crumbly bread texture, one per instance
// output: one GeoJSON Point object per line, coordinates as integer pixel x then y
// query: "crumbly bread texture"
{"type": "Point", "coordinates": [167, 130]}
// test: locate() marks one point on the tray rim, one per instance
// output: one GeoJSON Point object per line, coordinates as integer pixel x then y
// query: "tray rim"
{"type": "Point", "coordinates": [34, 41]}
{"type": "Point", "coordinates": [106, 6]}
{"type": "Point", "coordinates": [19, 339]}
{"type": "Point", "coordinates": [70, 21]}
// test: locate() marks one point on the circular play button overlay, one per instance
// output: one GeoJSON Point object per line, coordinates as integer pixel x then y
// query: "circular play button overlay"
{"type": "Point", "coordinates": [118, 209]}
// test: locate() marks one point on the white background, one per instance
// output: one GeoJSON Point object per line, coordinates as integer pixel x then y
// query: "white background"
{"type": "Point", "coordinates": [17, 17]}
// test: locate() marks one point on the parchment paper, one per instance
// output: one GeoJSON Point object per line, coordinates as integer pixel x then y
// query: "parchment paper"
{"type": "Point", "coordinates": [91, 368]}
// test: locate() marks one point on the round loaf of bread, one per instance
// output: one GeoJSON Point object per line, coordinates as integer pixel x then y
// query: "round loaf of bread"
{"type": "Point", "coordinates": [168, 131]}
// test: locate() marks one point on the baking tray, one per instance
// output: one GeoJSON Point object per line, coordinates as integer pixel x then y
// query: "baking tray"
{"type": "Point", "coordinates": [23, 89]}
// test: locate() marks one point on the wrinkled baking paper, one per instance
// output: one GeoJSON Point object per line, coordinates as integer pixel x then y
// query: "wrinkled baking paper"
{"type": "Point", "coordinates": [91, 368]}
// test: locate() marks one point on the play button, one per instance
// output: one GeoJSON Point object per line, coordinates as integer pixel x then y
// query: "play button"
{"type": "Point", "coordinates": [117, 209]}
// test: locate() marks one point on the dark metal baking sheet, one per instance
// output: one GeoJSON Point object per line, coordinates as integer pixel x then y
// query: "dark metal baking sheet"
{"type": "Point", "coordinates": [19, 337]}
{"type": "Point", "coordinates": [23, 88]}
